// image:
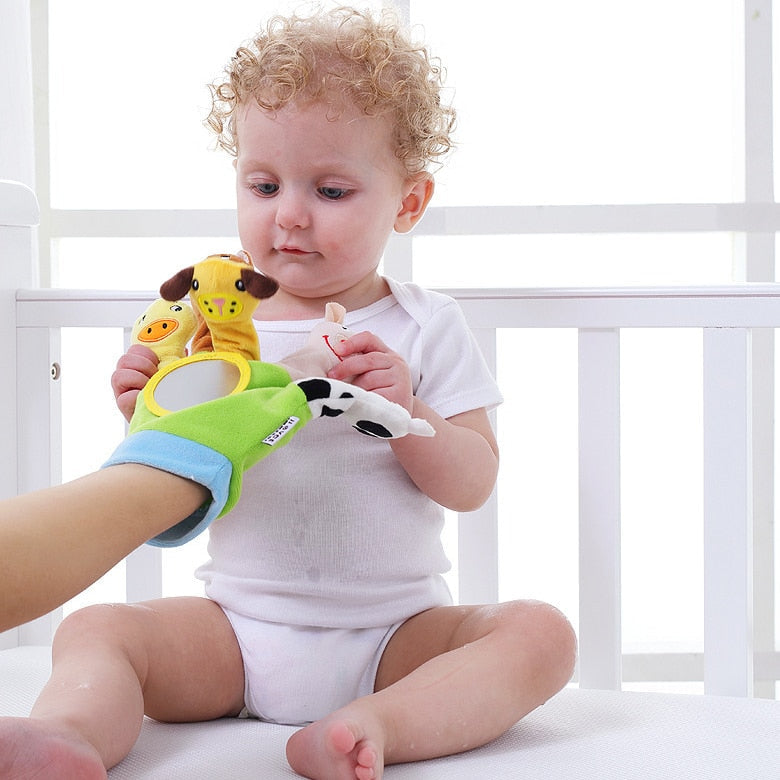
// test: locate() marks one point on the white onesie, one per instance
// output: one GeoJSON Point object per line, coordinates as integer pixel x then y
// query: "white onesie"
{"type": "Point", "coordinates": [330, 531]}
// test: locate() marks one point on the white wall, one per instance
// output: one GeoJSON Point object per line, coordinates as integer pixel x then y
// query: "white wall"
{"type": "Point", "coordinates": [16, 106]}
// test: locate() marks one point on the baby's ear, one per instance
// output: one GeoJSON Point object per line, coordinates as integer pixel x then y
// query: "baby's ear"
{"type": "Point", "coordinates": [418, 191]}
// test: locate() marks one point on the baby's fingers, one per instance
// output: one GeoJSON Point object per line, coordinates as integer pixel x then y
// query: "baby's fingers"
{"type": "Point", "coordinates": [126, 401]}
{"type": "Point", "coordinates": [361, 343]}
{"type": "Point", "coordinates": [133, 371]}
{"type": "Point", "coordinates": [139, 358]}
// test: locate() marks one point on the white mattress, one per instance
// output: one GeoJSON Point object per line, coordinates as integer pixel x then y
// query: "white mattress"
{"type": "Point", "coordinates": [587, 735]}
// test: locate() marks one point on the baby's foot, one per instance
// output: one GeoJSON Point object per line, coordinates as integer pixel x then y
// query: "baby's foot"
{"type": "Point", "coordinates": [34, 749]}
{"type": "Point", "coordinates": [337, 748]}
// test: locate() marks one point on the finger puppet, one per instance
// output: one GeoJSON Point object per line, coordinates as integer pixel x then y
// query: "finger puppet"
{"type": "Point", "coordinates": [165, 327]}
{"type": "Point", "coordinates": [224, 290]}
{"type": "Point", "coordinates": [366, 412]}
{"type": "Point", "coordinates": [319, 354]}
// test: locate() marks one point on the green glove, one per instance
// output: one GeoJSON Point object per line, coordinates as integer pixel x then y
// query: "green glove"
{"type": "Point", "coordinates": [214, 442]}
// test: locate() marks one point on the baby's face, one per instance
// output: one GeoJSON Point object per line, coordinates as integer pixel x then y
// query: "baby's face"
{"type": "Point", "coordinates": [317, 197]}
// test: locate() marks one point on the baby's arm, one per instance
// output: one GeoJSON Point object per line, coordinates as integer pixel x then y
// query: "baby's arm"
{"type": "Point", "coordinates": [458, 466]}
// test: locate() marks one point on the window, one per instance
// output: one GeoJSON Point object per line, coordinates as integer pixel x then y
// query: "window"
{"type": "Point", "coordinates": [583, 109]}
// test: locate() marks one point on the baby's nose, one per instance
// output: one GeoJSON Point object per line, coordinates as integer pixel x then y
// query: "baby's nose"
{"type": "Point", "coordinates": [291, 211]}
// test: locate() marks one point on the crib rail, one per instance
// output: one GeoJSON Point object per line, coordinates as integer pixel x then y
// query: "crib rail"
{"type": "Point", "coordinates": [732, 319]}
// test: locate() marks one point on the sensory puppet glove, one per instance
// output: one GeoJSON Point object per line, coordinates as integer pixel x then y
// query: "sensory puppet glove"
{"type": "Point", "coordinates": [214, 442]}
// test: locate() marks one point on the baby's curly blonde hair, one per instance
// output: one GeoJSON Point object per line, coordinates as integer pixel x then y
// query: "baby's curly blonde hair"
{"type": "Point", "coordinates": [330, 55]}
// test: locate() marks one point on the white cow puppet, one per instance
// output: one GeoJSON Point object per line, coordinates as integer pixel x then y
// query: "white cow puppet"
{"type": "Point", "coordinates": [367, 412]}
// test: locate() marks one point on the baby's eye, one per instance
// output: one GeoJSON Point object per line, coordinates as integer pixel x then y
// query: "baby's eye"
{"type": "Point", "coordinates": [333, 193]}
{"type": "Point", "coordinates": [265, 188]}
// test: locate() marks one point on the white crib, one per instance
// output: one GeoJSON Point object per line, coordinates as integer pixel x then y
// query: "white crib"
{"type": "Point", "coordinates": [590, 731]}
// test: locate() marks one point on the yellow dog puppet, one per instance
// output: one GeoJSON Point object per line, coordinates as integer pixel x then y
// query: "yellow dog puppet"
{"type": "Point", "coordinates": [224, 290]}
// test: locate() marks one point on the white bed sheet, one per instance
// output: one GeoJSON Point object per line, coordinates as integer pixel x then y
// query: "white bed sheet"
{"type": "Point", "coordinates": [579, 734]}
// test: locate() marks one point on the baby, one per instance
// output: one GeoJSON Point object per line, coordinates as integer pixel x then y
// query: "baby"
{"type": "Point", "coordinates": [325, 605]}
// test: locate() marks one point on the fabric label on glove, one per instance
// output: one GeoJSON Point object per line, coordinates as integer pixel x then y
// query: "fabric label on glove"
{"type": "Point", "coordinates": [283, 429]}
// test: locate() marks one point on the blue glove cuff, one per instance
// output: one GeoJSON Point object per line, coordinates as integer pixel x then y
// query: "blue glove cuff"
{"type": "Point", "coordinates": [187, 459]}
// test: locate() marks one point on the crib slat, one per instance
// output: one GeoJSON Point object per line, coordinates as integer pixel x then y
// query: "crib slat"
{"type": "Point", "coordinates": [599, 528]}
{"type": "Point", "coordinates": [143, 574]}
{"type": "Point", "coordinates": [39, 456]}
{"type": "Point", "coordinates": [728, 517]}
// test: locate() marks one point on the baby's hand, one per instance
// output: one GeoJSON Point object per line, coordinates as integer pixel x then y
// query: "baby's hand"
{"type": "Point", "coordinates": [133, 370]}
{"type": "Point", "coordinates": [369, 363]}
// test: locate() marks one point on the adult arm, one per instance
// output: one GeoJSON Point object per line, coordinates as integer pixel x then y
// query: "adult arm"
{"type": "Point", "coordinates": [58, 541]}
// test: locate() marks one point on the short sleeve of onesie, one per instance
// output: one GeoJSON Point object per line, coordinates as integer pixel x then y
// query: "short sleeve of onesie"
{"type": "Point", "coordinates": [449, 371]}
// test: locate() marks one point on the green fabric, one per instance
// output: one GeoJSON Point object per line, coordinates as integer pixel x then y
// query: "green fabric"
{"type": "Point", "coordinates": [244, 427]}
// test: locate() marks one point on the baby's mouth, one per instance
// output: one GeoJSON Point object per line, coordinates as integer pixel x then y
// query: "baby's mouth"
{"type": "Point", "coordinates": [292, 250]}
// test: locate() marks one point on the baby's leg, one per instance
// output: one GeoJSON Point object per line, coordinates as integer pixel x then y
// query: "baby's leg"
{"type": "Point", "coordinates": [175, 659]}
{"type": "Point", "coordinates": [451, 679]}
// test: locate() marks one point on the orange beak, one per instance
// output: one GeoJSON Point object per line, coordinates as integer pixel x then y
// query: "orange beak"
{"type": "Point", "coordinates": [158, 330]}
